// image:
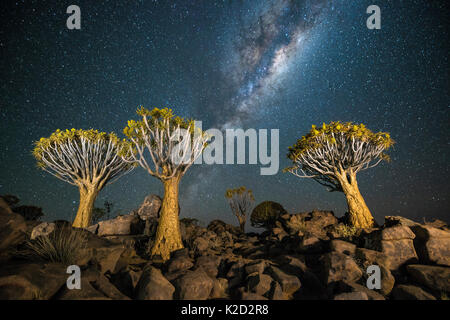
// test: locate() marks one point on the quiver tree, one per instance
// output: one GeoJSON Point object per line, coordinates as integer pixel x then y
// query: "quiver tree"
{"type": "Point", "coordinates": [265, 214]}
{"type": "Point", "coordinates": [333, 155]}
{"type": "Point", "coordinates": [87, 159]}
{"type": "Point", "coordinates": [166, 146]}
{"type": "Point", "coordinates": [241, 201]}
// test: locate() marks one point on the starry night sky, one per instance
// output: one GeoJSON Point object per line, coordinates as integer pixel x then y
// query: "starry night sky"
{"type": "Point", "coordinates": [250, 64]}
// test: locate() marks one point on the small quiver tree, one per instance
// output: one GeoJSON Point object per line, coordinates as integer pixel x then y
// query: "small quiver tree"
{"type": "Point", "coordinates": [333, 155]}
{"type": "Point", "coordinates": [88, 159]}
{"type": "Point", "coordinates": [166, 146]}
{"type": "Point", "coordinates": [241, 201]}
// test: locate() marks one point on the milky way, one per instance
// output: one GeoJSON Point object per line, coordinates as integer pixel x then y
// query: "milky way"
{"type": "Point", "coordinates": [253, 64]}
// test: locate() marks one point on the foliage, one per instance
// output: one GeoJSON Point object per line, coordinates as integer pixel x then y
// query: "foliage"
{"type": "Point", "coordinates": [337, 147]}
{"type": "Point", "coordinates": [266, 213]}
{"type": "Point", "coordinates": [62, 245]}
{"type": "Point", "coordinates": [346, 231]}
{"type": "Point", "coordinates": [83, 155]}
{"type": "Point", "coordinates": [173, 143]}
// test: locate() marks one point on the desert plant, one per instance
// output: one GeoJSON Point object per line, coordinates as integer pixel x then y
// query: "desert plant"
{"type": "Point", "coordinates": [241, 200]}
{"type": "Point", "coordinates": [266, 213]}
{"type": "Point", "coordinates": [345, 231]}
{"type": "Point", "coordinates": [87, 159]}
{"type": "Point", "coordinates": [333, 154]}
{"type": "Point", "coordinates": [62, 245]}
{"type": "Point", "coordinates": [166, 146]}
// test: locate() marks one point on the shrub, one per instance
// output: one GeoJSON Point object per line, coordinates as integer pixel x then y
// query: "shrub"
{"type": "Point", "coordinates": [63, 245]}
{"type": "Point", "coordinates": [266, 213]}
{"type": "Point", "coordinates": [346, 231]}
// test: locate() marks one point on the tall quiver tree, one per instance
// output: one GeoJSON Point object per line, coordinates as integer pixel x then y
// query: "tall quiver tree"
{"type": "Point", "coordinates": [88, 159]}
{"type": "Point", "coordinates": [333, 154]}
{"type": "Point", "coordinates": [241, 201]}
{"type": "Point", "coordinates": [166, 146]}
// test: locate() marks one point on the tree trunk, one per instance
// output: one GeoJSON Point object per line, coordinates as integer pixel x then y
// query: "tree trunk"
{"type": "Point", "coordinates": [168, 235]}
{"type": "Point", "coordinates": [241, 223]}
{"type": "Point", "coordinates": [360, 216]}
{"type": "Point", "coordinates": [84, 213]}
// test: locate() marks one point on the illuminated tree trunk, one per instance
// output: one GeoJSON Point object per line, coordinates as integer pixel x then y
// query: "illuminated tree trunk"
{"type": "Point", "coordinates": [84, 213]}
{"type": "Point", "coordinates": [168, 235]}
{"type": "Point", "coordinates": [359, 213]}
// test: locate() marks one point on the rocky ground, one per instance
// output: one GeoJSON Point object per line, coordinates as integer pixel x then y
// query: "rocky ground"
{"type": "Point", "coordinates": [304, 256]}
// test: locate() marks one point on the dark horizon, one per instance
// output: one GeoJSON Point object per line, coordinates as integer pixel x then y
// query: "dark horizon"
{"type": "Point", "coordinates": [231, 64]}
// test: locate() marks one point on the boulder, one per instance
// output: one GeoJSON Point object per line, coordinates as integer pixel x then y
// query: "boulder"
{"type": "Point", "coordinates": [43, 229]}
{"type": "Point", "coordinates": [121, 225]}
{"type": "Point", "coordinates": [409, 292]}
{"type": "Point", "coordinates": [220, 288]}
{"type": "Point", "coordinates": [390, 221]}
{"type": "Point", "coordinates": [350, 286]}
{"type": "Point", "coordinates": [339, 266]}
{"type": "Point", "coordinates": [255, 266]}
{"type": "Point", "coordinates": [396, 243]}
{"type": "Point", "coordinates": [210, 264]}
{"type": "Point", "coordinates": [150, 207]}
{"type": "Point", "coordinates": [310, 244]}
{"type": "Point", "coordinates": [432, 245]}
{"type": "Point", "coordinates": [433, 277]}
{"type": "Point", "coordinates": [356, 295]}
{"type": "Point", "coordinates": [126, 280]}
{"type": "Point", "coordinates": [341, 246]}
{"type": "Point", "coordinates": [289, 283]}
{"type": "Point", "coordinates": [251, 296]}
{"type": "Point", "coordinates": [276, 293]}
{"type": "Point", "coordinates": [31, 281]}
{"type": "Point", "coordinates": [180, 263]}
{"type": "Point", "coordinates": [259, 283]}
{"type": "Point", "coordinates": [153, 286]}
{"type": "Point", "coordinates": [194, 285]}
{"type": "Point", "coordinates": [12, 228]}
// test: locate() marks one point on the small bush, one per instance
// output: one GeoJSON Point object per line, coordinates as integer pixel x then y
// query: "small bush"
{"type": "Point", "coordinates": [346, 231]}
{"type": "Point", "coordinates": [63, 245]}
{"type": "Point", "coordinates": [265, 214]}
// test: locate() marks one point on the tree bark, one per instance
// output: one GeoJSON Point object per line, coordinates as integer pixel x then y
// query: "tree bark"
{"type": "Point", "coordinates": [168, 235]}
{"type": "Point", "coordinates": [84, 213]}
{"type": "Point", "coordinates": [241, 223]}
{"type": "Point", "coordinates": [359, 213]}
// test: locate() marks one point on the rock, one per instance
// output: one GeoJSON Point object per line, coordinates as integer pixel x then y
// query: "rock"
{"type": "Point", "coordinates": [396, 243]}
{"type": "Point", "coordinates": [12, 228]}
{"type": "Point", "coordinates": [251, 296]}
{"type": "Point", "coordinates": [210, 264]}
{"type": "Point", "coordinates": [31, 281]}
{"type": "Point", "coordinates": [94, 286]}
{"type": "Point", "coordinates": [289, 283]}
{"type": "Point", "coordinates": [179, 264]}
{"type": "Point", "coordinates": [153, 286]}
{"type": "Point", "coordinates": [126, 281]}
{"type": "Point", "coordinates": [356, 295]}
{"type": "Point", "coordinates": [259, 283]}
{"type": "Point", "coordinates": [409, 292]}
{"type": "Point", "coordinates": [255, 266]}
{"type": "Point", "coordinates": [219, 290]}
{"type": "Point", "coordinates": [371, 257]}
{"type": "Point", "coordinates": [218, 227]}
{"type": "Point", "coordinates": [121, 225]}
{"type": "Point", "coordinates": [387, 280]}
{"type": "Point", "coordinates": [390, 221]}
{"type": "Point", "coordinates": [43, 229]}
{"type": "Point", "coordinates": [338, 266]}
{"type": "Point", "coordinates": [4, 207]}
{"type": "Point", "coordinates": [432, 245]}
{"type": "Point", "coordinates": [349, 286]}
{"type": "Point", "coordinates": [276, 293]}
{"type": "Point", "coordinates": [341, 246]}
{"type": "Point", "coordinates": [310, 244]}
{"type": "Point", "coordinates": [201, 244]}
{"type": "Point", "coordinates": [150, 207]}
{"type": "Point", "coordinates": [194, 285]}
{"type": "Point", "coordinates": [433, 277]}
